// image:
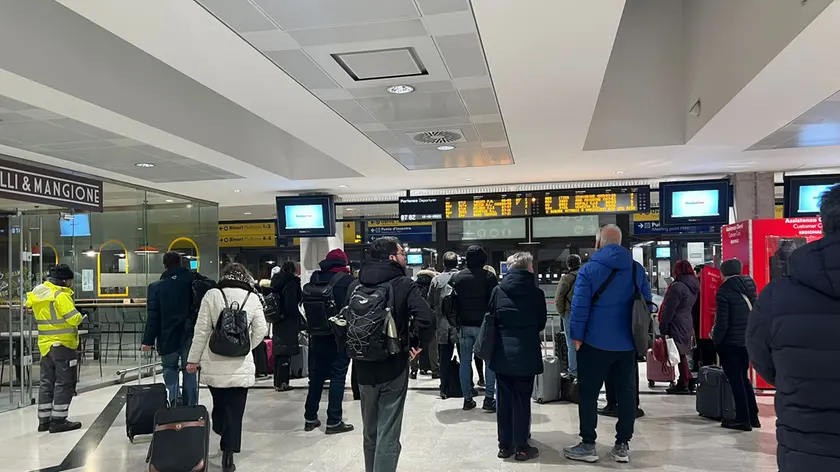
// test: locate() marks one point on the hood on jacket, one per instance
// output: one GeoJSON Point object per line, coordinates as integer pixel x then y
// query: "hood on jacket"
{"type": "Point", "coordinates": [817, 265]}
{"type": "Point", "coordinates": [44, 293]}
{"type": "Point", "coordinates": [476, 257]}
{"type": "Point", "coordinates": [739, 284]}
{"type": "Point", "coordinates": [691, 281]}
{"type": "Point", "coordinates": [613, 256]}
{"type": "Point", "coordinates": [517, 283]}
{"type": "Point", "coordinates": [175, 271]}
{"type": "Point", "coordinates": [425, 276]}
{"type": "Point", "coordinates": [281, 279]}
{"type": "Point", "coordinates": [379, 272]}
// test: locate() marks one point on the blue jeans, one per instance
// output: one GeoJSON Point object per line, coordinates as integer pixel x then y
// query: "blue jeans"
{"type": "Point", "coordinates": [570, 345]}
{"type": "Point", "coordinates": [326, 361]}
{"type": "Point", "coordinates": [469, 335]}
{"type": "Point", "coordinates": [173, 364]}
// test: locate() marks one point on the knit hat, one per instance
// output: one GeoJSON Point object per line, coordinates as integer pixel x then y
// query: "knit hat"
{"type": "Point", "coordinates": [61, 272]}
{"type": "Point", "coordinates": [338, 254]}
{"type": "Point", "coordinates": [731, 267]}
{"type": "Point", "coordinates": [573, 262]}
{"type": "Point", "coordinates": [336, 261]}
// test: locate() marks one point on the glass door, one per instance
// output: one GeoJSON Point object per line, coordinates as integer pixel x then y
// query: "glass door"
{"type": "Point", "coordinates": [19, 335]}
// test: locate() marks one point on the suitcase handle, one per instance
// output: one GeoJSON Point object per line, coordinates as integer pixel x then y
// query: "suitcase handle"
{"type": "Point", "coordinates": [153, 357]}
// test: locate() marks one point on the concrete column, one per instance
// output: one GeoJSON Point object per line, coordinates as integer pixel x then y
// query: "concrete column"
{"type": "Point", "coordinates": [313, 251]}
{"type": "Point", "coordinates": [754, 195]}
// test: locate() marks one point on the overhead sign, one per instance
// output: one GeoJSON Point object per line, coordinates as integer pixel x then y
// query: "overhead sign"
{"type": "Point", "coordinates": [652, 215]}
{"type": "Point", "coordinates": [653, 227]}
{"type": "Point", "coordinates": [780, 211]}
{"type": "Point", "coordinates": [247, 235]}
{"type": "Point", "coordinates": [31, 184]}
{"type": "Point", "coordinates": [405, 231]}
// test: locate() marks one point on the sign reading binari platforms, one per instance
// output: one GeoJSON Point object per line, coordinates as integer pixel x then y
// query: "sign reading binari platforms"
{"type": "Point", "coordinates": [31, 184]}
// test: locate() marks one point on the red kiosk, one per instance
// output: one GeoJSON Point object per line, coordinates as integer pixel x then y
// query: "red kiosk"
{"type": "Point", "coordinates": [763, 246]}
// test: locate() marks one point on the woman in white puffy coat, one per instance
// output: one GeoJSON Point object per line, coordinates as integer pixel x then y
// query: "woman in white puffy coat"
{"type": "Point", "coordinates": [227, 377]}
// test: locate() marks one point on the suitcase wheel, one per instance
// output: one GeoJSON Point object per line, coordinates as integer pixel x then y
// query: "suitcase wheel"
{"type": "Point", "coordinates": [673, 384]}
{"type": "Point", "coordinates": [651, 383]}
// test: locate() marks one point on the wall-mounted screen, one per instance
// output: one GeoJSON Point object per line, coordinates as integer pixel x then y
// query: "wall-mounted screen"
{"type": "Point", "coordinates": [694, 202]}
{"type": "Point", "coordinates": [77, 225]}
{"type": "Point", "coordinates": [802, 193]}
{"type": "Point", "coordinates": [663, 252]}
{"type": "Point", "coordinates": [414, 259]}
{"type": "Point", "coordinates": [194, 265]}
{"type": "Point", "coordinates": [306, 216]}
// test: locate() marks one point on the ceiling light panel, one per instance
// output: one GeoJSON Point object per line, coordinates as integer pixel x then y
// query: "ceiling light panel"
{"type": "Point", "coordinates": [349, 53]}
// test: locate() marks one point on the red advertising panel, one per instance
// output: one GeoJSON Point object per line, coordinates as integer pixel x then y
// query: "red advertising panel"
{"type": "Point", "coordinates": [710, 281]}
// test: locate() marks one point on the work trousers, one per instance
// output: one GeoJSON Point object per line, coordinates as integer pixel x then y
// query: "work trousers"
{"type": "Point", "coordinates": [58, 382]}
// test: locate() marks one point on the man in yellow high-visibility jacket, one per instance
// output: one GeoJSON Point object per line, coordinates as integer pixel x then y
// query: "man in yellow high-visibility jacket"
{"type": "Point", "coordinates": [58, 340]}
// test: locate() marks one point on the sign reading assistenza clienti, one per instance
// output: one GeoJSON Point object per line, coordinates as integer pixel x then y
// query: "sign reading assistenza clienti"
{"type": "Point", "coordinates": [31, 184]}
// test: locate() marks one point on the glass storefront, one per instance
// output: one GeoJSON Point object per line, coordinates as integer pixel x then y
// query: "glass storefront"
{"type": "Point", "coordinates": [115, 255]}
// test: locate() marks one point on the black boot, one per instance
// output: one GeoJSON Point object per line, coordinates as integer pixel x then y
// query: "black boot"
{"type": "Point", "coordinates": [489, 405]}
{"type": "Point", "coordinates": [43, 425]}
{"type": "Point", "coordinates": [62, 425]}
{"type": "Point", "coordinates": [609, 410]}
{"type": "Point", "coordinates": [227, 462]}
{"type": "Point", "coordinates": [339, 428]}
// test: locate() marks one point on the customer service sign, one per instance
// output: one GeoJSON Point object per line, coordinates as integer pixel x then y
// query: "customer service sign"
{"type": "Point", "coordinates": [31, 184]}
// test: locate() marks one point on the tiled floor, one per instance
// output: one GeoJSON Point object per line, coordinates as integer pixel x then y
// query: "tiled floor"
{"type": "Point", "coordinates": [437, 436]}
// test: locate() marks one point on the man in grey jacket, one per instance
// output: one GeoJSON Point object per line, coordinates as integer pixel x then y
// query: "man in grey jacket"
{"type": "Point", "coordinates": [447, 335]}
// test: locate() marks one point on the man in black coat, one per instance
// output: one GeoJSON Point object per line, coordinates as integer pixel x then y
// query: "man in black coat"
{"type": "Point", "coordinates": [520, 312]}
{"type": "Point", "coordinates": [327, 360]}
{"type": "Point", "coordinates": [735, 299]}
{"type": "Point", "coordinates": [170, 323]}
{"type": "Point", "coordinates": [384, 384]}
{"type": "Point", "coordinates": [473, 287]}
{"type": "Point", "coordinates": [792, 342]}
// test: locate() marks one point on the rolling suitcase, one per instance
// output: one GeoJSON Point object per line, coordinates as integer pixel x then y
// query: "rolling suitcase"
{"type": "Point", "coordinates": [261, 363]}
{"type": "Point", "coordinates": [269, 348]}
{"type": "Point", "coordinates": [714, 395]}
{"type": "Point", "coordinates": [547, 384]}
{"type": "Point", "coordinates": [142, 402]}
{"type": "Point", "coordinates": [299, 364]}
{"type": "Point", "coordinates": [181, 440]}
{"type": "Point", "coordinates": [452, 385]}
{"type": "Point", "coordinates": [658, 371]}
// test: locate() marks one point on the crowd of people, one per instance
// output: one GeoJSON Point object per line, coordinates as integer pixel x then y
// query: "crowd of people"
{"type": "Point", "coordinates": [384, 320]}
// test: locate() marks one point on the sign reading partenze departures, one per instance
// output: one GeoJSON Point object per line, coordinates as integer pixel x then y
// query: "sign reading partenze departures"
{"type": "Point", "coordinates": [31, 184]}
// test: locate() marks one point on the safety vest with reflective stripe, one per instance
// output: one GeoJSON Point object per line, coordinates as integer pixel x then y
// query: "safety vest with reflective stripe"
{"type": "Point", "coordinates": [56, 316]}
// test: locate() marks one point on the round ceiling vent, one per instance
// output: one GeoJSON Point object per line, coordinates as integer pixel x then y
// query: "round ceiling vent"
{"type": "Point", "coordinates": [437, 137]}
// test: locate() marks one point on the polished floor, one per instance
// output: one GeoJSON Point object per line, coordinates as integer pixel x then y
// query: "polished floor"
{"type": "Point", "coordinates": [437, 436]}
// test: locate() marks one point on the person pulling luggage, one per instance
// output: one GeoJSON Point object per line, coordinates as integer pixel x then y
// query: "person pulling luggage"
{"type": "Point", "coordinates": [58, 323]}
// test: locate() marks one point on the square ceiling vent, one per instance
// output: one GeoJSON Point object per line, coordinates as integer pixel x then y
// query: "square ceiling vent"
{"type": "Point", "coordinates": [381, 64]}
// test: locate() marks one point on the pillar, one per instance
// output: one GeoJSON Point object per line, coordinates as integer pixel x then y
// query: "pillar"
{"type": "Point", "coordinates": [754, 195]}
{"type": "Point", "coordinates": [314, 250]}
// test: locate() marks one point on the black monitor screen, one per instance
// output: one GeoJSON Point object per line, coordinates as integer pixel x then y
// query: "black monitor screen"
{"type": "Point", "coordinates": [305, 216]}
{"type": "Point", "coordinates": [694, 202]}
{"type": "Point", "coordinates": [802, 193]}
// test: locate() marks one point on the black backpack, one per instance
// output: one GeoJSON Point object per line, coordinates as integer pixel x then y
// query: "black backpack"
{"type": "Point", "coordinates": [319, 305]}
{"type": "Point", "coordinates": [231, 337]}
{"type": "Point", "coordinates": [200, 286]}
{"type": "Point", "coordinates": [371, 330]}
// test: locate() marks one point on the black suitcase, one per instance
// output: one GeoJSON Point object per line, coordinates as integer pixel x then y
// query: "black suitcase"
{"type": "Point", "coordinates": [561, 351]}
{"type": "Point", "coordinates": [569, 389]}
{"type": "Point", "coordinates": [141, 404]}
{"type": "Point", "coordinates": [181, 441]}
{"type": "Point", "coordinates": [260, 354]}
{"type": "Point", "coordinates": [714, 395]}
{"type": "Point", "coordinates": [453, 380]}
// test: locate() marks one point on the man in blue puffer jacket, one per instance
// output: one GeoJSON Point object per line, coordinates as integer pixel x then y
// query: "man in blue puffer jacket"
{"type": "Point", "coordinates": [603, 336]}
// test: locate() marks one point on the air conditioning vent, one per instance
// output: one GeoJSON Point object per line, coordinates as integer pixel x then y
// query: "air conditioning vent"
{"type": "Point", "coordinates": [444, 136]}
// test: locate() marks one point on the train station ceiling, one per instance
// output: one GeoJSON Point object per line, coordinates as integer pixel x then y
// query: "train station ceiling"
{"type": "Point", "coordinates": [236, 101]}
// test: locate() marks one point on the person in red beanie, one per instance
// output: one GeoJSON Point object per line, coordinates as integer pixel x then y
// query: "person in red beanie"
{"type": "Point", "coordinates": [323, 297]}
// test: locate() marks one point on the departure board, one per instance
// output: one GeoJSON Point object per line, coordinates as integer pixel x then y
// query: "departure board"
{"type": "Point", "coordinates": [596, 200]}
{"type": "Point", "coordinates": [489, 206]}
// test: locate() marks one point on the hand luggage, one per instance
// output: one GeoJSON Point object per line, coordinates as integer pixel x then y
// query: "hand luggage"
{"type": "Point", "coordinates": [561, 351]}
{"type": "Point", "coordinates": [142, 402]}
{"type": "Point", "coordinates": [181, 440]}
{"type": "Point", "coordinates": [299, 364]}
{"type": "Point", "coordinates": [269, 348]}
{"type": "Point", "coordinates": [547, 384]}
{"type": "Point", "coordinates": [569, 389]}
{"type": "Point", "coordinates": [658, 371]}
{"type": "Point", "coordinates": [453, 380]}
{"type": "Point", "coordinates": [714, 395]}
{"type": "Point", "coordinates": [261, 362]}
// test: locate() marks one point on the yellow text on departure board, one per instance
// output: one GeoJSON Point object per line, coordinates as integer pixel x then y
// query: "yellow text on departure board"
{"type": "Point", "coordinates": [487, 208]}
{"type": "Point", "coordinates": [590, 203]}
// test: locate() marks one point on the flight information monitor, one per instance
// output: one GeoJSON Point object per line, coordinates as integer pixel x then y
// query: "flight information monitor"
{"type": "Point", "coordinates": [596, 200]}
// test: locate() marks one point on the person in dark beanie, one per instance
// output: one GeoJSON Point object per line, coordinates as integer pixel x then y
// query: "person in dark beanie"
{"type": "Point", "coordinates": [473, 287]}
{"type": "Point", "coordinates": [735, 299]}
{"type": "Point", "coordinates": [563, 303]}
{"type": "Point", "coordinates": [792, 343]}
{"type": "Point", "coordinates": [326, 359]}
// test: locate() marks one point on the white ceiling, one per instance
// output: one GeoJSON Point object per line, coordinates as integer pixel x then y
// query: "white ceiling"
{"type": "Point", "coordinates": [250, 98]}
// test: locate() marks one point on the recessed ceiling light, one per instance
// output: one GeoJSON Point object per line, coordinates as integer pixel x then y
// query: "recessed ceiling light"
{"type": "Point", "coordinates": [247, 213]}
{"type": "Point", "coordinates": [446, 147]}
{"type": "Point", "coordinates": [145, 165]}
{"type": "Point", "coordinates": [237, 191]}
{"type": "Point", "coordinates": [169, 200]}
{"type": "Point", "coordinates": [619, 172]}
{"type": "Point", "coordinates": [468, 179]}
{"type": "Point", "coordinates": [343, 186]}
{"type": "Point", "coordinates": [349, 209]}
{"type": "Point", "coordinates": [139, 229]}
{"type": "Point", "coordinates": [400, 89]}
{"type": "Point", "coordinates": [189, 205]}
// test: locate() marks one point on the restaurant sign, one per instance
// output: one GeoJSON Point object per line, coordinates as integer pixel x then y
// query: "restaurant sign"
{"type": "Point", "coordinates": [31, 184]}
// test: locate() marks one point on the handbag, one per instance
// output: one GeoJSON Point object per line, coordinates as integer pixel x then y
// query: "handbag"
{"type": "Point", "coordinates": [486, 341]}
{"type": "Point", "coordinates": [673, 352]}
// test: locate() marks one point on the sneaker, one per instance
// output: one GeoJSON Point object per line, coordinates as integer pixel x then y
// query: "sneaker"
{"type": "Point", "coordinates": [481, 383]}
{"type": "Point", "coordinates": [312, 425]}
{"type": "Point", "coordinates": [340, 428]}
{"type": "Point", "coordinates": [489, 405]}
{"type": "Point", "coordinates": [435, 376]}
{"type": "Point", "coordinates": [43, 426]}
{"type": "Point", "coordinates": [609, 410]}
{"type": "Point", "coordinates": [526, 454]}
{"type": "Point", "coordinates": [413, 375]}
{"type": "Point", "coordinates": [284, 387]}
{"type": "Point", "coordinates": [735, 425]}
{"type": "Point", "coordinates": [621, 453]}
{"type": "Point", "coordinates": [469, 405]}
{"type": "Point", "coordinates": [63, 425]}
{"type": "Point", "coordinates": [582, 452]}
{"type": "Point", "coordinates": [474, 392]}
{"type": "Point", "coordinates": [505, 452]}
{"type": "Point", "coordinates": [639, 412]}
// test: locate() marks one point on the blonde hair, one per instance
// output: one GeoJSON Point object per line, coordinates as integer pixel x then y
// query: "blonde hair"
{"type": "Point", "coordinates": [490, 269]}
